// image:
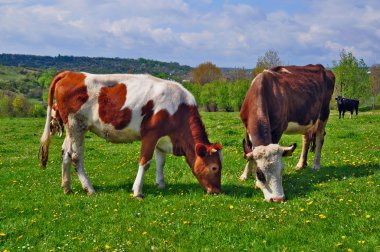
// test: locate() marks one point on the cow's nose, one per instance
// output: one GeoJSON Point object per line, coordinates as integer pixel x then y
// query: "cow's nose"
{"type": "Point", "coordinates": [277, 199]}
{"type": "Point", "coordinates": [213, 190]}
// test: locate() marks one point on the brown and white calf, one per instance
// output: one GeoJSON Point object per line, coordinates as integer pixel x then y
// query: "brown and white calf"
{"type": "Point", "coordinates": [122, 108]}
{"type": "Point", "coordinates": [291, 99]}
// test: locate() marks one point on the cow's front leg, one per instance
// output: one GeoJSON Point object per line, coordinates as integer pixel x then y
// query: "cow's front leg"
{"type": "Point", "coordinates": [247, 171]}
{"type": "Point", "coordinates": [66, 162]}
{"type": "Point", "coordinates": [147, 148]}
{"type": "Point", "coordinates": [160, 162]}
{"type": "Point", "coordinates": [305, 148]}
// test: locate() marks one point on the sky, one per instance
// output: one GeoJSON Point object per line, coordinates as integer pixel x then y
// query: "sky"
{"type": "Point", "coordinates": [191, 32]}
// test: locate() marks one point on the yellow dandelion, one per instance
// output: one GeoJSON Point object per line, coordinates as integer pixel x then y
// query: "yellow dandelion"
{"type": "Point", "coordinates": [350, 200]}
{"type": "Point", "coordinates": [349, 250]}
{"type": "Point", "coordinates": [6, 250]}
{"type": "Point", "coordinates": [186, 222]}
{"type": "Point", "coordinates": [107, 247]}
{"type": "Point", "coordinates": [309, 203]}
{"type": "Point", "coordinates": [339, 244]}
{"type": "Point", "coordinates": [368, 216]}
{"type": "Point", "coordinates": [2, 234]}
{"type": "Point", "coordinates": [144, 233]}
{"type": "Point", "coordinates": [301, 209]}
{"type": "Point", "coordinates": [322, 216]}
{"type": "Point", "coordinates": [308, 221]}
{"type": "Point", "coordinates": [361, 242]}
{"type": "Point", "coordinates": [231, 207]}
{"type": "Point", "coordinates": [344, 237]}
{"type": "Point", "coordinates": [341, 200]}
{"type": "Point", "coordinates": [131, 195]}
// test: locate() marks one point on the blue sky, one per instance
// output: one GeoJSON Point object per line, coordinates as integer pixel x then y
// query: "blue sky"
{"type": "Point", "coordinates": [227, 33]}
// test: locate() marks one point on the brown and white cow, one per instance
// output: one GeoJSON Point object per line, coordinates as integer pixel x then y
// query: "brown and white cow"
{"type": "Point", "coordinates": [291, 99]}
{"type": "Point", "coordinates": [122, 108]}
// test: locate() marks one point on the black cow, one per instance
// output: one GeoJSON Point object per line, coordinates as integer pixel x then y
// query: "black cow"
{"type": "Point", "coordinates": [345, 104]}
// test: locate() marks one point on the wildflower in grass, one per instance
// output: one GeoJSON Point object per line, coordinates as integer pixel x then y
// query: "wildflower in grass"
{"type": "Point", "coordinates": [349, 250]}
{"type": "Point", "coordinates": [309, 203]}
{"type": "Point", "coordinates": [2, 234]}
{"type": "Point", "coordinates": [308, 221]}
{"type": "Point", "coordinates": [107, 247]}
{"type": "Point", "coordinates": [339, 244]}
{"type": "Point", "coordinates": [144, 233]}
{"type": "Point", "coordinates": [341, 200]}
{"type": "Point", "coordinates": [231, 207]}
{"type": "Point", "coordinates": [343, 237]}
{"type": "Point", "coordinates": [361, 242]}
{"type": "Point", "coordinates": [322, 216]}
{"type": "Point", "coordinates": [186, 222]}
{"type": "Point", "coordinates": [368, 216]}
{"type": "Point", "coordinates": [302, 209]}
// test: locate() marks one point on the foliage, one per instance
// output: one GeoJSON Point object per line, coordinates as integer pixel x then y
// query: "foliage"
{"type": "Point", "coordinates": [205, 73]}
{"type": "Point", "coordinates": [335, 209]}
{"type": "Point", "coordinates": [375, 83]}
{"type": "Point", "coordinates": [96, 64]}
{"type": "Point", "coordinates": [352, 80]}
{"type": "Point", "coordinates": [220, 95]}
{"type": "Point", "coordinates": [269, 60]}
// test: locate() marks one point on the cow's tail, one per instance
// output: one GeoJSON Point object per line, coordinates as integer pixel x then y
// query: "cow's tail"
{"type": "Point", "coordinates": [43, 152]}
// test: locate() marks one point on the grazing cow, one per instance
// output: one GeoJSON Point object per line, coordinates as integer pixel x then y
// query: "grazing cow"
{"type": "Point", "coordinates": [122, 108]}
{"type": "Point", "coordinates": [345, 104]}
{"type": "Point", "coordinates": [291, 99]}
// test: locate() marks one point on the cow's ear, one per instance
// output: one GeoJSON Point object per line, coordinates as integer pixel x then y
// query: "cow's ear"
{"type": "Point", "coordinates": [201, 149]}
{"type": "Point", "coordinates": [288, 151]}
{"type": "Point", "coordinates": [246, 148]}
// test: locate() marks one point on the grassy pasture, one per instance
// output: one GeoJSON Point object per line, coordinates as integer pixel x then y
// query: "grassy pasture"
{"type": "Point", "coordinates": [335, 209]}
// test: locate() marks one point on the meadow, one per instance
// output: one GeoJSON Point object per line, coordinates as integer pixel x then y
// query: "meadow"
{"type": "Point", "coordinates": [334, 209]}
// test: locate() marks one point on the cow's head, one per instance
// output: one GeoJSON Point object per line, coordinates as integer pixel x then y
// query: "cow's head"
{"type": "Point", "coordinates": [56, 123]}
{"type": "Point", "coordinates": [269, 168]}
{"type": "Point", "coordinates": [339, 99]}
{"type": "Point", "coordinates": [208, 166]}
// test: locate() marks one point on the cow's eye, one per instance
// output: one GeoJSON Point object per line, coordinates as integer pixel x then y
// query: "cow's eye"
{"type": "Point", "coordinates": [260, 175]}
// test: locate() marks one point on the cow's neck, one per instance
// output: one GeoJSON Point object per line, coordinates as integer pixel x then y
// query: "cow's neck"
{"type": "Point", "coordinates": [193, 132]}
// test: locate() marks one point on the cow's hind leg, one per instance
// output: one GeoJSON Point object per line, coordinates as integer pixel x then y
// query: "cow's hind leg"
{"type": "Point", "coordinates": [66, 162]}
{"type": "Point", "coordinates": [247, 171]}
{"type": "Point", "coordinates": [319, 139]}
{"type": "Point", "coordinates": [305, 148]}
{"type": "Point", "coordinates": [77, 132]}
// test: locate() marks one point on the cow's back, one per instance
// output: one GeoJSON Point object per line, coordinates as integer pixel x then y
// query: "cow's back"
{"type": "Point", "coordinates": [116, 104]}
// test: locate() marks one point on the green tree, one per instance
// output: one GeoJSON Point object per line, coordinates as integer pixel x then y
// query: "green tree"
{"type": "Point", "coordinates": [269, 60]}
{"type": "Point", "coordinates": [352, 79]}
{"type": "Point", "coordinates": [205, 73]}
{"type": "Point", "coordinates": [5, 104]}
{"type": "Point", "coordinates": [20, 105]}
{"type": "Point", "coordinates": [375, 83]}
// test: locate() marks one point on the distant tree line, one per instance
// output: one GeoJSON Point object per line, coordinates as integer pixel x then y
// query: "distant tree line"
{"type": "Point", "coordinates": [97, 64]}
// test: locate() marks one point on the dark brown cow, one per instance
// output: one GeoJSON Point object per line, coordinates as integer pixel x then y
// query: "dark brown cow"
{"type": "Point", "coordinates": [291, 99]}
{"type": "Point", "coordinates": [122, 108]}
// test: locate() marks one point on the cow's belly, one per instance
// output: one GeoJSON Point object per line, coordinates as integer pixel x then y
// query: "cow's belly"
{"type": "Point", "coordinates": [109, 133]}
{"type": "Point", "coordinates": [295, 128]}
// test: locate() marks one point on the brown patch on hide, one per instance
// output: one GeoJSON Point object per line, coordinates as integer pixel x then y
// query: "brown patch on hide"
{"type": "Point", "coordinates": [111, 100]}
{"type": "Point", "coordinates": [70, 93]}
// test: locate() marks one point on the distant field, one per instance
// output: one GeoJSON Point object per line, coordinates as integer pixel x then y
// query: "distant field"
{"type": "Point", "coordinates": [335, 209]}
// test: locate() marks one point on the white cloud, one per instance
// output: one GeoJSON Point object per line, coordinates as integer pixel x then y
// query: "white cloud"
{"type": "Point", "coordinates": [190, 32]}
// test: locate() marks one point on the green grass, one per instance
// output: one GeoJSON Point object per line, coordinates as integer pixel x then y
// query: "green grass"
{"type": "Point", "coordinates": [335, 209]}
